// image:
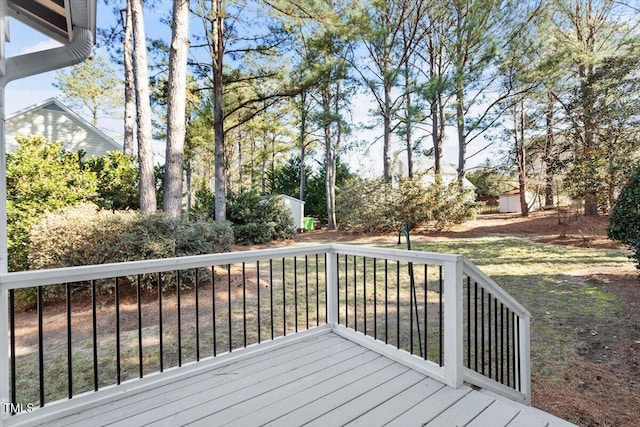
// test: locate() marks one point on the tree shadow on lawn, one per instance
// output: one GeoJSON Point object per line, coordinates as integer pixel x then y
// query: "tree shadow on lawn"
{"type": "Point", "coordinates": [584, 346]}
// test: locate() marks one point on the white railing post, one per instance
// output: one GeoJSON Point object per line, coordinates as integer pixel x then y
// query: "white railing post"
{"type": "Point", "coordinates": [453, 327]}
{"type": "Point", "coordinates": [525, 358]}
{"type": "Point", "coordinates": [332, 288]}
{"type": "Point", "coordinates": [4, 353]}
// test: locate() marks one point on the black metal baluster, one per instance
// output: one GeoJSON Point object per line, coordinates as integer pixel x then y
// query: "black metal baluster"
{"type": "Point", "coordinates": [317, 292]}
{"type": "Point", "coordinates": [364, 291]}
{"type": "Point", "coordinates": [284, 301]}
{"type": "Point", "coordinates": [258, 295]}
{"type": "Point", "coordinates": [495, 328]}
{"type": "Point", "coordinates": [519, 354]}
{"type": "Point", "coordinates": [489, 327]}
{"type": "Point", "coordinates": [69, 344]}
{"type": "Point", "coordinates": [502, 343]}
{"type": "Point", "coordinates": [306, 287]}
{"type": "Point", "coordinates": [482, 328]}
{"type": "Point", "coordinates": [398, 304]}
{"type": "Point", "coordinates": [295, 291]}
{"type": "Point", "coordinates": [426, 302]}
{"type": "Point", "coordinates": [475, 321]}
{"type": "Point", "coordinates": [197, 301]}
{"type": "Point", "coordinates": [346, 291]}
{"type": "Point", "coordinates": [386, 301]}
{"type": "Point", "coordinates": [355, 295]}
{"type": "Point", "coordinates": [375, 299]}
{"type": "Point", "coordinates": [40, 346]}
{"type": "Point", "coordinates": [139, 298]}
{"type": "Point", "coordinates": [12, 326]}
{"type": "Point", "coordinates": [244, 305]}
{"type": "Point", "coordinates": [441, 314]}
{"type": "Point", "coordinates": [229, 306]}
{"type": "Point", "coordinates": [160, 338]}
{"type": "Point", "coordinates": [508, 330]}
{"type": "Point", "coordinates": [214, 337]}
{"type": "Point", "coordinates": [338, 285]}
{"type": "Point", "coordinates": [410, 313]}
{"type": "Point", "coordinates": [118, 365]}
{"type": "Point", "coordinates": [271, 293]}
{"type": "Point", "coordinates": [469, 321]}
{"type": "Point", "coordinates": [326, 296]}
{"type": "Point", "coordinates": [178, 293]}
{"type": "Point", "coordinates": [513, 349]}
{"type": "Point", "coordinates": [94, 321]}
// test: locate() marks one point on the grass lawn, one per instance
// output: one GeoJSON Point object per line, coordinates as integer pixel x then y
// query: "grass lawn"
{"type": "Point", "coordinates": [580, 327]}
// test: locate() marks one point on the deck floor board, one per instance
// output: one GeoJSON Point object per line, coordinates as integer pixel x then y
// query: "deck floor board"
{"type": "Point", "coordinates": [318, 380]}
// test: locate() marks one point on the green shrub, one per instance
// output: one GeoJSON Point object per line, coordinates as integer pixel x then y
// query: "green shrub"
{"type": "Point", "coordinates": [449, 204]}
{"type": "Point", "coordinates": [624, 220]}
{"type": "Point", "coordinates": [257, 219]}
{"type": "Point", "coordinates": [85, 235]}
{"type": "Point", "coordinates": [205, 203]}
{"type": "Point", "coordinates": [375, 205]}
{"type": "Point", "coordinates": [41, 177]}
{"type": "Point", "coordinates": [117, 180]}
{"type": "Point", "coordinates": [365, 205]}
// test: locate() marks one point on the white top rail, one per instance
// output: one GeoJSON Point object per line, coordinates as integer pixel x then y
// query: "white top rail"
{"type": "Point", "coordinates": [431, 258]}
{"type": "Point", "coordinates": [26, 279]}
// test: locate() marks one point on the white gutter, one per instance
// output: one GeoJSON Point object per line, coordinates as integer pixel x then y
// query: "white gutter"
{"type": "Point", "coordinates": [30, 64]}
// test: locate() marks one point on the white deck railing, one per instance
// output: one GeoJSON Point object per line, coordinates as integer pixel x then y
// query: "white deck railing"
{"type": "Point", "coordinates": [426, 310]}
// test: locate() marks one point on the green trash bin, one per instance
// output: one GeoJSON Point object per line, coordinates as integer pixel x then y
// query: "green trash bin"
{"type": "Point", "coordinates": [308, 223]}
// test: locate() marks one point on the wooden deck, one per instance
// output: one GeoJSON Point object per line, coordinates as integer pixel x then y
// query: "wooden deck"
{"type": "Point", "coordinates": [322, 380]}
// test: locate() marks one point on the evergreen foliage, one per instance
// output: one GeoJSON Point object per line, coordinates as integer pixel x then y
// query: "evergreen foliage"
{"type": "Point", "coordinates": [624, 220]}
{"type": "Point", "coordinates": [257, 219]}
{"type": "Point", "coordinates": [41, 177]}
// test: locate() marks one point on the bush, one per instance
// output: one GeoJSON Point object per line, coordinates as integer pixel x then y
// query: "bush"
{"type": "Point", "coordinates": [205, 203]}
{"type": "Point", "coordinates": [117, 180]}
{"type": "Point", "coordinates": [449, 204]}
{"type": "Point", "coordinates": [41, 177]}
{"type": "Point", "coordinates": [257, 219]}
{"type": "Point", "coordinates": [634, 246]}
{"type": "Point", "coordinates": [375, 205]}
{"type": "Point", "coordinates": [85, 235]}
{"type": "Point", "coordinates": [365, 205]}
{"type": "Point", "coordinates": [624, 220]}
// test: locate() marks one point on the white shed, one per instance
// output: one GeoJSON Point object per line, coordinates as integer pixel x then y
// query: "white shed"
{"type": "Point", "coordinates": [296, 206]}
{"type": "Point", "coordinates": [509, 201]}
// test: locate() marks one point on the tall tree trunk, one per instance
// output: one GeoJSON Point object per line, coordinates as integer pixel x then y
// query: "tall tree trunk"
{"type": "Point", "coordinates": [408, 140]}
{"type": "Point", "coordinates": [176, 108]}
{"type": "Point", "coordinates": [129, 86]}
{"type": "Point", "coordinates": [460, 117]}
{"type": "Point", "coordinates": [188, 171]}
{"type": "Point", "coordinates": [548, 147]}
{"type": "Point", "coordinates": [148, 203]}
{"type": "Point", "coordinates": [590, 196]}
{"type": "Point", "coordinates": [330, 157]}
{"type": "Point", "coordinates": [218, 118]}
{"type": "Point", "coordinates": [303, 147]}
{"type": "Point", "coordinates": [386, 116]}
{"type": "Point", "coordinates": [521, 158]}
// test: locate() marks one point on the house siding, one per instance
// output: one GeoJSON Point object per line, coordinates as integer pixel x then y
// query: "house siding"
{"type": "Point", "coordinates": [56, 125]}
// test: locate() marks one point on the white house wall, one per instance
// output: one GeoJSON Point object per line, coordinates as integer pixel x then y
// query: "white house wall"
{"type": "Point", "coordinates": [56, 126]}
